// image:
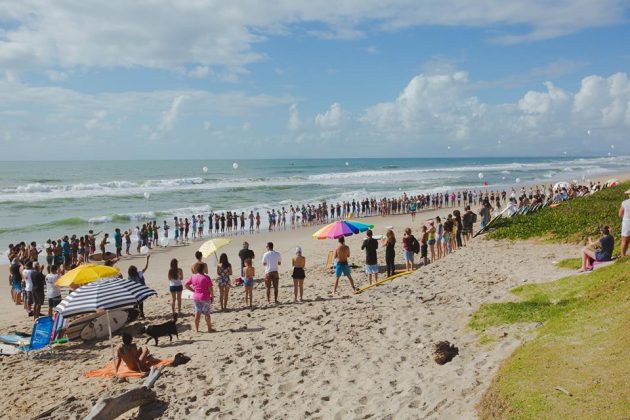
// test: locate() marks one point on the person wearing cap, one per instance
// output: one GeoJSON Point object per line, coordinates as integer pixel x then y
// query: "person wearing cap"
{"type": "Point", "coordinates": [624, 213]}
{"type": "Point", "coordinates": [299, 262]}
{"type": "Point", "coordinates": [245, 254]}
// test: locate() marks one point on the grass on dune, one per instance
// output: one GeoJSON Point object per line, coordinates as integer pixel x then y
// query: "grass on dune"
{"type": "Point", "coordinates": [581, 347]}
{"type": "Point", "coordinates": [571, 221]}
{"type": "Point", "coordinates": [570, 263]}
{"type": "Point", "coordinates": [582, 343]}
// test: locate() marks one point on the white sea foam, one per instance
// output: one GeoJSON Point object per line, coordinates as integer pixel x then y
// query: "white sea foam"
{"type": "Point", "coordinates": [352, 179]}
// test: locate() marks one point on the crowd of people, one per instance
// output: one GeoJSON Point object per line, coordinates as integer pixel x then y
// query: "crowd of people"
{"type": "Point", "coordinates": [31, 281]}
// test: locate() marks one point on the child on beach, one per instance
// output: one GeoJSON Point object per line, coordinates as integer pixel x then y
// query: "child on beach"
{"type": "Point", "coordinates": [248, 282]}
{"type": "Point", "coordinates": [224, 271]}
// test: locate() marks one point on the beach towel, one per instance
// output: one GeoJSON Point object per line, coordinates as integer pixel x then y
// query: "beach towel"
{"type": "Point", "coordinates": [107, 371]}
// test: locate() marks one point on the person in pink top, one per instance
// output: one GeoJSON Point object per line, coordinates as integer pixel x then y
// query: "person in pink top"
{"type": "Point", "coordinates": [201, 286]}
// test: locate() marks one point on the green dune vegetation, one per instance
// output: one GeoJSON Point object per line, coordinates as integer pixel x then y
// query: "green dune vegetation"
{"type": "Point", "coordinates": [577, 364]}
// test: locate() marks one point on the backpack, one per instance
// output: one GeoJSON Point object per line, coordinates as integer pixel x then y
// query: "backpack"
{"type": "Point", "coordinates": [415, 245]}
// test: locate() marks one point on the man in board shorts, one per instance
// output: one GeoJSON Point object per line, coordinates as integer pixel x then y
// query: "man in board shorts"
{"type": "Point", "coordinates": [271, 260]}
{"type": "Point", "coordinates": [342, 253]}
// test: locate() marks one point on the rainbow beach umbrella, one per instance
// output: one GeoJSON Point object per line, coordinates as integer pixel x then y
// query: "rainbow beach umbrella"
{"type": "Point", "coordinates": [341, 228]}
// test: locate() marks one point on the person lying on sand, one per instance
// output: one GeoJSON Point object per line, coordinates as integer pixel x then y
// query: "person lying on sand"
{"type": "Point", "coordinates": [136, 359]}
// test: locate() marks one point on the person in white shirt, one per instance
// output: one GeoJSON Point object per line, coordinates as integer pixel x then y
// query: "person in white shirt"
{"type": "Point", "coordinates": [271, 260]}
{"type": "Point", "coordinates": [53, 292]}
{"type": "Point", "coordinates": [28, 286]}
{"type": "Point", "coordinates": [624, 213]}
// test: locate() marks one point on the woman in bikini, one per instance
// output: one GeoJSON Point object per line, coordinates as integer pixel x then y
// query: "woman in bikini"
{"type": "Point", "coordinates": [224, 271]}
{"type": "Point", "coordinates": [299, 262]}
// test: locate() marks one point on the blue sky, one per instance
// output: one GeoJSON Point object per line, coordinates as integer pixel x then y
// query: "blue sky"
{"type": "Point", "coordinates": [90, 80]}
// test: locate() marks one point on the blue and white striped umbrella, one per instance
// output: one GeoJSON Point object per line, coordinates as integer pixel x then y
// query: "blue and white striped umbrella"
{"type": "Point", "coordinates": [104, 294]}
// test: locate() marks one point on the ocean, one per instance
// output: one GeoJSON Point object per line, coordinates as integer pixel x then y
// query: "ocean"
{"type": "Point", "coordinates": [41, 200]}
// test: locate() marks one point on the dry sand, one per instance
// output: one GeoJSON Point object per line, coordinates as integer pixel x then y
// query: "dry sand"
{"type": "Point", "coordinates": [347, 356]}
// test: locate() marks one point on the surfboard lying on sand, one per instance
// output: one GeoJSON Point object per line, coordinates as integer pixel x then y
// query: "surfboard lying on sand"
{"type": "Point", "coordinates": [8, 349]}
{"type": "Point", "coordinates": [75, 326]}
{"type": "Point", "coordinates": [14, 339]}
{"type": "Point", "coordinates": [385, 280]}
{"type": "Point", "coordinates": [100, 257]}
{"type": "Point", "coordinates": [97, 328]}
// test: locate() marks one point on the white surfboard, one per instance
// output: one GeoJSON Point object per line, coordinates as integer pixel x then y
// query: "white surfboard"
{"type": "Point", "coordinates": [8, 349]}
{"type": "Point", "coordinates": [76, 325]}
{"type": "Point", "coordinates": [97, 328]}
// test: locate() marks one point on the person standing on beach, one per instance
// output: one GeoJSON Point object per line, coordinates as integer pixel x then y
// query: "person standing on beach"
{"type": "Point", "coordinates": [390, 251]}
{"type": "Point", "coordinates": [248, 283]}
{"type": "Point", "coordinates": [408, 248]}
{"type": "Point", "coordinates": [224, 271]}
{"type": "Point", "coordinates": [245, 254]}
{"type": "Point", "coordinates": [198, 257]}
{"type": "Point", "coordinates": [175, 277]}
{"type": "Point", "coordinates": [118, 242]}
{"type": "Point", "coordinates": [485, 212]}
{"type": "Point", "coordinates": [342, 253]}
{"type": "Point", "coordinates": [468, 221]}
{"type": "Point", "coordinates": [624, 213]}
{"type": "Point", "coordinates": [203, 293]}
{"type": "Point", "coordinates": [370, 245]}
{"type": "Point", "coordinates": [52, 290]}
{"type": "Point", "coordinates": [298, 262]}
{"type": "Point", "coordinates": [271, 260]}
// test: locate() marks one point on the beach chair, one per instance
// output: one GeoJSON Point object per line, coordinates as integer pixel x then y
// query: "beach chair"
{"type": "Point", "coordinates": [40, 337]}
{"type": "Point", "coordinates": [329, 260]}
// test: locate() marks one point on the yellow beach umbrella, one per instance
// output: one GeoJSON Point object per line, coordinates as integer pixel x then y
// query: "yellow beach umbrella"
{"type": "Point", "coordinates": [86, 273]}
{"type": "Point", "coordinates": [213, 245]}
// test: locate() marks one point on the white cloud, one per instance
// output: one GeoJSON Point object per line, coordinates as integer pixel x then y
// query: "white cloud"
{"type": "Point", "coordinates": [332, 119]}
{"type": "Point", "coordinates": [246, 126]}
{"type": "Point", "coordinates": [604, 101]}
{"type": "Point", "coordinates": [207, 34]}
{"type": "Point", "coordinates": [57, 76]}
{"type": "Point", "coordinates": [294, 123]}
{"type": "Point", "coordinates": [199, 72]}
{"type": "Point", "coordinates": [543, 102]}
{"type": "Point", "coordinates": [97, 120]}
{"type": "Point", "coordinates": [207, 125]}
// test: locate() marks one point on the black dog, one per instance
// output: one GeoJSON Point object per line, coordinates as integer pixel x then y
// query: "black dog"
{"type": "Point", "coordinates": [161, 330]}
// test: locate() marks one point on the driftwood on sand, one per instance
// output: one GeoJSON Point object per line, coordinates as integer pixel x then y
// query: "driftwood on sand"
{"type": "Point", "coordinates": [112, 407]}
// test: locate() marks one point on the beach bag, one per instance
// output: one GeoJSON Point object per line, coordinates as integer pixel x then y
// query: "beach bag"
{"type": "Point", "coordinates": [415, 245]}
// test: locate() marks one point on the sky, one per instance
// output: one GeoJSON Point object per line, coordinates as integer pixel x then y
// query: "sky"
{"type": "Point", "coordinates": [150, 79]}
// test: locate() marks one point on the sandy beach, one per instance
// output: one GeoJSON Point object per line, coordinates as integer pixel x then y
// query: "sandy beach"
{"type": "Point", "coordinates": [343, 356]}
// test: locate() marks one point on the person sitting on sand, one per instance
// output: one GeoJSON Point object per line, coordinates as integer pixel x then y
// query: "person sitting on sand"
{"type": "Point", "coordinates": [136, 359]}
{"type": "Point", "coordinates": [342, 253]}
{"type": "Point", "coordinates": [604, 250]}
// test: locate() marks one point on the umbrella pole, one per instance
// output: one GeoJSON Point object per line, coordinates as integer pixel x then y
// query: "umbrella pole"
{"type": "Point", "coordinates": [111, 342]}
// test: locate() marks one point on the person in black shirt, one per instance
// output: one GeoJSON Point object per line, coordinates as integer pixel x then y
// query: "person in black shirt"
{"type": "Point", "coordinates": [245, 254]}
{"type": "Point", "coordinates": [370, 245]}
{"type": "Point", "coordinates": [39, 282]}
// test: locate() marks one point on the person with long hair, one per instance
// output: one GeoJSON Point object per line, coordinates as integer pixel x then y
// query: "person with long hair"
{"type": "Point", "coordinates": [596, 251]}
{"type": "Point", "coordinates": [299, 262]}
{"type": "Point", "coordinates": [175, 277]}
{"type": "Point", "coordinates": [390, 252]}
{"type": "Point", "coordinates": [224, 271]}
